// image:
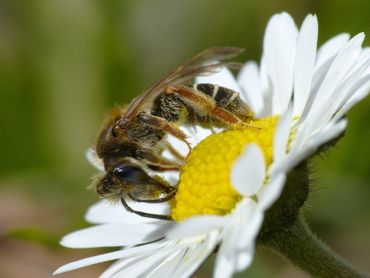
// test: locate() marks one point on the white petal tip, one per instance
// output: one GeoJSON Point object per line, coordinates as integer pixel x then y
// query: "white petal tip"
{"type": "Point", "coordinates": [65, 242]}
{"type": "Point", "coordinates": [60, 270]}
{"type": "Point", "coordinates": [71, 242]}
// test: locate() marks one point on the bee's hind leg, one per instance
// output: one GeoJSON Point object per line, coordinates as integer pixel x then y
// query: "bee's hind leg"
{"type": "Point", "coordinates": [204, 104]}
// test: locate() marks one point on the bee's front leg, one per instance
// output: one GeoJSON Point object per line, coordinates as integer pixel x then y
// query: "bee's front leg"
{"type": "Point", "coordinates": [162, 124]}
{"type": "Point", "coordinates": [158, 162]}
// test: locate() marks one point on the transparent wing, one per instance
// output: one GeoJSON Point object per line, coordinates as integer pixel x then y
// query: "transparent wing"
{"type": "Point", "coordinates": [207, 62]}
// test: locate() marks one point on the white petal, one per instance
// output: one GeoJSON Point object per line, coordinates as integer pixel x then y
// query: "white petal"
{"type": "Point", "coordinates": [107, 212]}
{"type": "Point", "coordinates": [281, 136]}
{"type": "Point", "coordinates": [244, 259]}
{"type": "Point", "coordinates": [196, 255]}
{"type": "Point", "coordinates": [339, 68]}
{"type": "Point", "coordinates": [142, 267]}
{"type": "Point", "coordinates": [267, 89]}
{"type": "Point", "coordinates": [251, 91]}
{"type": "Point", "coordinates": [331, 48]}
{"type": "Point", "coordinates": [363, 59]}
{"type": "Point", "coordinates": [224, 268]}
{"type": "Point", "coordinates": [196, 226]}
{"type": "Point", "coordinates": [331, 131]}
{"type": "Point", "coordinates": [237, 248]}
{"type": "Point", "coordinates": [359, 95]}
{"type": "Point", "coordinates": [119, 266]}
{"type": "Point", "coordinates": [249, 171]}
{"type": "Point", "coordinates": [250, 223]}
{"type": "Point", "coordinates": [127, 253]}
{"type": "Point", "coordinates": [299, 153]}
{"type": "Point", "coordinates": [317, 80]}
{"type": "Point", "coordinates": [226, 256]}
{"type": "Point", "coordinates": [95, 160]}
{"type": "Point", "coordinates": [279, 50]}
{"type": "Point", "coordinates": [168, 266]}
{"type": "Point", "coordinates": [198, 135]}
{"type": "Point", "coordinates": [223, 78]}
{"type": "Point", "coordinates": [271, 191]}
{"type": "Point", "coordinates": [117, 234]}
{"type": "Point", "coordinates": [304, 62]}
{"type": "Point", "coordinates": [177, 144]}
{"type": "Point", "coordinates": [346, 89]}
{"type": "Point", "coordinates": [185, 263]}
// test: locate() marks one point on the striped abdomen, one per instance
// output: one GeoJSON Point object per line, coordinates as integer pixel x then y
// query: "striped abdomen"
{"type": "Point", "coordinates": [173, 107]}
{"type": "Point", "coordinates": [226, 98]}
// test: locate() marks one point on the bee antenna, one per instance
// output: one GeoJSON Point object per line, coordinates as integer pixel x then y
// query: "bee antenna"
{"type": "Point", "coordinates": [145, 214]}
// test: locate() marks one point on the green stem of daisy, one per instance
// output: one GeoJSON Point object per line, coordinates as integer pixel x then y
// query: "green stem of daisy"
{"type": "Point", "coordinates": [305, 250]}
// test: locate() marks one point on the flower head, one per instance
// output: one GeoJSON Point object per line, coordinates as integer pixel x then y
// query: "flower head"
{"type": "Point", "coordinates": [299, 95]}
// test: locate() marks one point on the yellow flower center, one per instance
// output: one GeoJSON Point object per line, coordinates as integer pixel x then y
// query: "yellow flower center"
{"type": "Point", "coordinates": [204, 186]}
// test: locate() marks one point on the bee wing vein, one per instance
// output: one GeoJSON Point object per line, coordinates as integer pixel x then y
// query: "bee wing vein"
{"type": "Point", "coordinates": [205, 63]}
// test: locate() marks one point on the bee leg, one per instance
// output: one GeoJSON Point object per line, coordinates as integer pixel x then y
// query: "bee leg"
{"type": "Point", "coordinates": [159, 200]}
{"type": "Point", "coordinates": [160, 168]}
{"type": "Point", "coordinates": [145, 214]}
{"type": "Point", "coordinates": [204, 103]}
{"type": "Point", "coordinates": [163, 163]}
{"type": "Point", "coordinates": [211, 121]}
{"type": "Point", "coordinates": [159, 162]}
{"type": "Point", "coordinates": [174, 152]}
{"type": "Point", "coordinates": [164, 185]}
{"type": "Point", "coordinates": [163, 124]}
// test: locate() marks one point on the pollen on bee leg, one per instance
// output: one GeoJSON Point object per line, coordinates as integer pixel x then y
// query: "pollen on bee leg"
{"type": "Point", "coordinates": [204, 186]}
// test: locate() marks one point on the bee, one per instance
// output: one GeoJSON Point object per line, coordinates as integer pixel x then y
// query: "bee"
{"type": "Point", "coordinates": [132, 138]}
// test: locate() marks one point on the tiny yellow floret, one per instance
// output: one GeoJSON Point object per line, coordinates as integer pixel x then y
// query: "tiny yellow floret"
{"type": "Point", "coordinates": [204, 186]}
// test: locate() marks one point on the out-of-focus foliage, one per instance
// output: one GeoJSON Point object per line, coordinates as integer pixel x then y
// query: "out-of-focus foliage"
{"type": "Point", "coordinates": [63, 64]}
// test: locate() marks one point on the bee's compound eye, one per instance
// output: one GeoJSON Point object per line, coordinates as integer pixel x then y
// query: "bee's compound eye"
{"type": "Point", "coordinates": [116, 130]}
{"type": "Point", "coordinates": [131, 174]}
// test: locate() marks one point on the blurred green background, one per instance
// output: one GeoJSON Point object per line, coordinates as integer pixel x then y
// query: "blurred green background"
{"type": "Point", "coordinates": [63, 64]}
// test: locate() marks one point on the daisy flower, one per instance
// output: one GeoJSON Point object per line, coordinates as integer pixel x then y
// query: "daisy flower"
{"type": "Point", "coordinates": [299, 95]}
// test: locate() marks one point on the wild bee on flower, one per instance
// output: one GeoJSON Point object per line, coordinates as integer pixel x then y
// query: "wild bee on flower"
{"type": "Point", "coordinates": [131, 140]}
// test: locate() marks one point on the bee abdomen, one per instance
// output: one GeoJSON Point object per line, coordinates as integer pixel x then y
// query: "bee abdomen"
{"type": "Point", "coordinates": [225, 98]}
{"type": "Point", "coordinates": [221, 95]}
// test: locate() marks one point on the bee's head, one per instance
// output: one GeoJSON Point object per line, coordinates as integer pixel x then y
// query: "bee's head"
{"type": "Point", "coordinates": [123, 179]}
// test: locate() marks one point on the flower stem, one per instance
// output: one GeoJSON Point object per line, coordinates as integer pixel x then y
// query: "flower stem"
{"type": "Point", "coordinates": [309, 253]}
